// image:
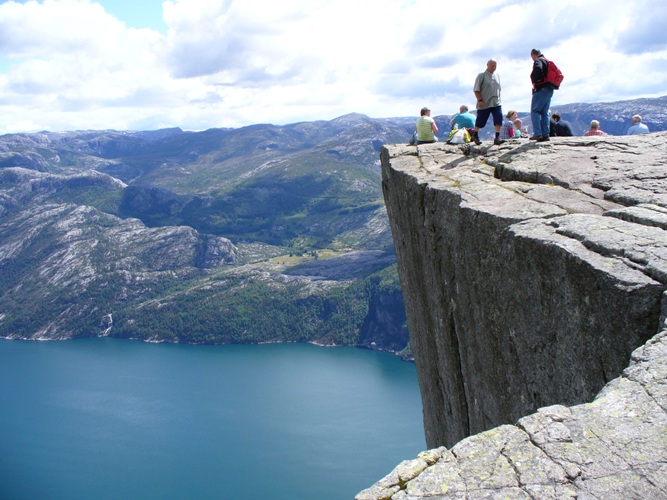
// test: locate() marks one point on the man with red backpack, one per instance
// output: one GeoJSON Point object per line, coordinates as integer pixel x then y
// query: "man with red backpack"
{"type": "Point", "coordinates": [543, 91]}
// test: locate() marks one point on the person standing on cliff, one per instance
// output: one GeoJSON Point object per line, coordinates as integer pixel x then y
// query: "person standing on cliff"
{"type": "Point", "coordinates": [543, 91]}
{"type": "Point", "coordinates": [487, 93]}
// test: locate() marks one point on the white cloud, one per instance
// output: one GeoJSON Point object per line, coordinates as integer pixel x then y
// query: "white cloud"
{"type": "Point", "coordinates": [68, 64]}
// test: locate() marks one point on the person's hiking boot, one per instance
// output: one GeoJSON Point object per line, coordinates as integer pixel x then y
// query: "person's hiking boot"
{"type": "Point", "coordinates": [498, 141]}
{"type": "Point", "coordinates": [534, 137]}
{"type": "Point", "coordinates": [475, 138]}
{"type": "Point", "coordinates": [543, 138]}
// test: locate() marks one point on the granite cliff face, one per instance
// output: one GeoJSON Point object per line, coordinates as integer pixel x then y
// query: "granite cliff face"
{"type": "Point", "coordinates": [531, 272]}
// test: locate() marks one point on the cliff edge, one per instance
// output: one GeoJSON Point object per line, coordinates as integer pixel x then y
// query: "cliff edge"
{"type": "Point", "coordinates": [531, 272]}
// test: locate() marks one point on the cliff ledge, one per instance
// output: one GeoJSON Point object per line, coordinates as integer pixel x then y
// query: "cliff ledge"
{"type": "Point", "coordinates": [534, 278]}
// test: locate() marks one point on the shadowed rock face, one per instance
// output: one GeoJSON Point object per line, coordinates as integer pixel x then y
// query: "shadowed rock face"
{"type": "Point", "coordinates": [530, 273]}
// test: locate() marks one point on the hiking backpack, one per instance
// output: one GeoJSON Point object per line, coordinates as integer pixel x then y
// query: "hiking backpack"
{"type": "Point", "coordinates": [554, 75]}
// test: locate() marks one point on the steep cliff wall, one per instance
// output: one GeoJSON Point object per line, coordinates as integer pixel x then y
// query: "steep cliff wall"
{"type": "Point", "coordinates": [530, 273]}
{"type": "Point", "coordinates": [612, 448]}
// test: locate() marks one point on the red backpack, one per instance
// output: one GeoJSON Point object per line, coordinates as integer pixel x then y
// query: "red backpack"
{"type": "Point", "coordinates": [554, 75]}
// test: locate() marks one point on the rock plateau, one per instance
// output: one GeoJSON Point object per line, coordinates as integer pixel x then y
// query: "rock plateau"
{"type": "Point", "coordinates": [533, 277]}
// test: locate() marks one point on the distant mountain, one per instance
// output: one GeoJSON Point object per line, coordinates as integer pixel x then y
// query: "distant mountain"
{"type": "Point", "coordinates": [258, 234]}
{"type": "Point", "coordinates": [315, 181]}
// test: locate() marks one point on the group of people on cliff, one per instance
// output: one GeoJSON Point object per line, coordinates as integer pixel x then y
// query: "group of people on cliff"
{"type": "Point", "coordinates": [487, 92]}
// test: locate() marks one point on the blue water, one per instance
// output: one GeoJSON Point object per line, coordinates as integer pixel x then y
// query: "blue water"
{"type": "Point", "coordinates": [117, 419]}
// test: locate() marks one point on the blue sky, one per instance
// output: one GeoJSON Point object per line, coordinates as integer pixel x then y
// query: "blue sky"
{"type": "Point", "coordinates": [199, 64]}
{"type": "Point", "coordinates": [137, 13]}
{"type": "Point", "coordinates": [134, 13]}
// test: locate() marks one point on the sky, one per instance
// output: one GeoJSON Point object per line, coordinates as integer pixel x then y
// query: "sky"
{"type": "Point", "coordinates": [201, 64]}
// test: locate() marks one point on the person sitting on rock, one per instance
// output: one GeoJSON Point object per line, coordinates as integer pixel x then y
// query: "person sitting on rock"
{"type": "Point", "coordinates": [425, 128]}
{"type": "Point", "coordinates": [519, 130]}
{"type": "Point", "coordinates": [595, 129]}
{"type": "Point", "coordinates": [464, 119]}
{"type": "Point", "coordinates": [560, 128]}
{"type": "Point", "coordinates": [637, 126]}
{"type": "Point", "coordinates": [507, 128]}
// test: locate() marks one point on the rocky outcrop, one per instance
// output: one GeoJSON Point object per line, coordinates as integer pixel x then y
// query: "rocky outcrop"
{"type": "Point", "coordinates": [348, 266]}
{"type": "Point", "coordinates": [531, 272]}
{"type": "Point", "coordinates": [612, 448]}
{"type": "Point", "coordinates": [18, 186]}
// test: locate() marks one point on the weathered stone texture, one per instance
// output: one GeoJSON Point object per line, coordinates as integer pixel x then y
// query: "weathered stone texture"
{"type": "Point", "coordinates": [531, 272]}
{"type": "Point", "coordinates": [614, 447]}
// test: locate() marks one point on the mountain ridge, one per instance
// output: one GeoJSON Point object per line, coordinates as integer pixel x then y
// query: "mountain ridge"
{"type": "Point", "coordinates": [267, 217]}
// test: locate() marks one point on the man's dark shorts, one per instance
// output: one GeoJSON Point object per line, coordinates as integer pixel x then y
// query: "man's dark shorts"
{"type": "Point", "coordinates": [483, 116]}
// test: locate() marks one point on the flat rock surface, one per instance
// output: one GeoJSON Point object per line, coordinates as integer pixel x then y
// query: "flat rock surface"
{"type": "Point", "coordinates": [351, 265]}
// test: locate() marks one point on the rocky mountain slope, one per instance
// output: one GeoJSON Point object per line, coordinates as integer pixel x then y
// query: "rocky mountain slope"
{"type": "Point", "coordinates": [194, 236]}
{"type": "Point", "coordinates": [611, 448]}
{"type": "Point", "coordinates": [141, 253]}
{"type": "Point", "coordinates": [71, 270]}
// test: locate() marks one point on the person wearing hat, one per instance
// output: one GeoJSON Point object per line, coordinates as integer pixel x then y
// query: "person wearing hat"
{"type": "Point", "coordinates": [543, 91]}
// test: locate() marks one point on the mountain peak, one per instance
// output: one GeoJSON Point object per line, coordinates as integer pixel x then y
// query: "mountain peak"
{"type": "Point", "coordinates": [351, 118]}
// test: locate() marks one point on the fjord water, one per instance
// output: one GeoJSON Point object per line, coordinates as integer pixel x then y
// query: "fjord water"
{"type": "Point", "coordinates": [112, 419]}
